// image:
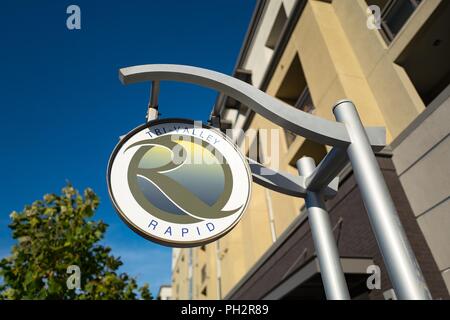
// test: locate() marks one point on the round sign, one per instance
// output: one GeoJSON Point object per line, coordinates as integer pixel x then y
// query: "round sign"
{"type": "Point", "coordinates": [178, 183]}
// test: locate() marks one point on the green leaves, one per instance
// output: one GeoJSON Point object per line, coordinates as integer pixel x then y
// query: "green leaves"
{"type": "Point", "coordinates": [53, 234]}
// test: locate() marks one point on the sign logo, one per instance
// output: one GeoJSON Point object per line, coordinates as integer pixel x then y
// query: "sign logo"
{"type": "Point", "coordinates": [179, 183]}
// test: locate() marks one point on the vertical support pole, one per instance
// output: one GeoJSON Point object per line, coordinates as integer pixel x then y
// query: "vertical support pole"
{"type": "Point", "coordinates": [330, 265]}
{"type": "Point", "coordinates": [403, 269]}
{"type": "Point", "coordinates": [152, 111]}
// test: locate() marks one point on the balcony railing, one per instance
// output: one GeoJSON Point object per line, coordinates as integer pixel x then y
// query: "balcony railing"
{"type": "Point", "coordinates": [394, 15]}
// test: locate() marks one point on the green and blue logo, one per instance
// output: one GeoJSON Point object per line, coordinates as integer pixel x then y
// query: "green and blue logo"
{"type": "Point", "coordinates": [179, 183]}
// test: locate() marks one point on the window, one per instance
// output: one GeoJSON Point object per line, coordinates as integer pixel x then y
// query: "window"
{"type": "Point", "coordinates": [426, 58]}
{"type": "Point", "coordinates": [304, 101]}
{"type": "Point", "coordinates": [255, 151]}
{"type": "Point", "coordinates": [228, 108]}
{"type": "Point", "coordinates": [277, 28]}
{"type": "Point", "coordinates": [203, 274]}
{"type": "Point", "coordinates": [294, 91]}
{"type": "Point", "coordinates": [394, 14]}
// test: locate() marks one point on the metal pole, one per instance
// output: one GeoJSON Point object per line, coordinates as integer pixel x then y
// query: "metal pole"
{"type": "Point", "coordinates": [324, 242]}
{"type": "Point", "coordinates": [152, 110]}
{"type": "Point", "coordinates": [403, 269]}
{"type": "Point", "coordinates": [327, 169]}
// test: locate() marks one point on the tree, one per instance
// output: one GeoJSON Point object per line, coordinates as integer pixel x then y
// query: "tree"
{"type": "Point", "coordinates": [53, 234]}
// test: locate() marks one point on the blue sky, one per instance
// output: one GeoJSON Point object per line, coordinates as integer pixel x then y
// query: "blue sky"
{"type": "Point", "coordinates": [63, 107]}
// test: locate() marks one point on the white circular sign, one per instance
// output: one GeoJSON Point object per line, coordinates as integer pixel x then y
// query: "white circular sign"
{"type": "Point", "coordinates": [179, 183]}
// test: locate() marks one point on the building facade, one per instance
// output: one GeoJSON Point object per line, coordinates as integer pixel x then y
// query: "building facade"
{"type": "Point", "coordinates": [165, 292]}
{"type": "Point", "coordinates": [309, 54]}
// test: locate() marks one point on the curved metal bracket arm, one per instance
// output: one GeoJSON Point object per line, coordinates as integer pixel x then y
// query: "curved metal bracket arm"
{"type": "Point", "coordinates": [305, 124]}
{"type": "Point", "coordinates": [286, 183]}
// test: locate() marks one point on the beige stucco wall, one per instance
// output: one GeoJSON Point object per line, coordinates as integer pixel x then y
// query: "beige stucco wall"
{"type": "Point", "coordinates": [422, 161]}
{"type": "Point", "coordinates": [394, 93]}
{"type": "Point", "coordinates": [180, 276]}
{"type": "Point", "coordinates": [341, 58]}
{"type": "Point", "coordinates": [204, 257]}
